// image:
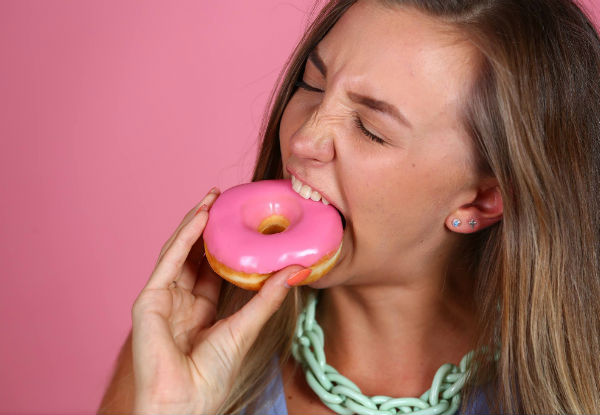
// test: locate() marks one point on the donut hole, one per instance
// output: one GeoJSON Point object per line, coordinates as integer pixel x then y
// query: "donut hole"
{"type": "Point", "coordinates": [270, 215]}
{"type": "Point", "coordinates": [273, 224]}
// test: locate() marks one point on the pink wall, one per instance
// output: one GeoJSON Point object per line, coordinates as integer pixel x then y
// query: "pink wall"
{"type": "Point", "coordinates": [116, 117]}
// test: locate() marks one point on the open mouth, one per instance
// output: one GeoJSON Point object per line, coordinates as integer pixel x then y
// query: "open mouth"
{"type": "Point", "coordinates": [307, 192]}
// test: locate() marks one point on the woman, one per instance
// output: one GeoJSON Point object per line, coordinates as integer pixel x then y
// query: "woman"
{"type": "Point", "coordinates": [459, 139]}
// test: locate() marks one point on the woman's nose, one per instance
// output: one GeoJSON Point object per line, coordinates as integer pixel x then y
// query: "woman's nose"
{"type": "Point", "coordinates": [315, 139]}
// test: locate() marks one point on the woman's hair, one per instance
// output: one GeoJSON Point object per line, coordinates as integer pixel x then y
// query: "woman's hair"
{"type": "Point", "coordinates": [533, 116]}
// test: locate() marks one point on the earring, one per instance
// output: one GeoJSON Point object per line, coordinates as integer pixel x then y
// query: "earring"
{"type": "Point", "coordinates": [473, 223]}
{"type": "Point", "coordinates": [456, 223]}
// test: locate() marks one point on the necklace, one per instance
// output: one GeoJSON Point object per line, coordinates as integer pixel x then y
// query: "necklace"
{"type": "Point", "coordinates": [342, 396]}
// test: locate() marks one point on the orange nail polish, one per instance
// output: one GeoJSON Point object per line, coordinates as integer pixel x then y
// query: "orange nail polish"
{"type": "Point", "coordinates": [298, 277]}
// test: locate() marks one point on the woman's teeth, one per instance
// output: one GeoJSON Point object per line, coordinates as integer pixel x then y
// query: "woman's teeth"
{"type": "Point", "coordinates": [306, 192]}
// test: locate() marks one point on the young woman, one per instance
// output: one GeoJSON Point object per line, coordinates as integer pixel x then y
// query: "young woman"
{"type": "Point", "coordinates": [459, 139]}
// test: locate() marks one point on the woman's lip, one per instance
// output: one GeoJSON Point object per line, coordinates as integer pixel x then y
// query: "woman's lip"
{"type": "Point", "coordinates": [343, 216]}
{"type": "Point", "coordinates": [314, 188]}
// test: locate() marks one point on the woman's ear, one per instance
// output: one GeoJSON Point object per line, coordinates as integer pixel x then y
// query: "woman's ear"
{"type": "Point", "coordinates": [485, 210]}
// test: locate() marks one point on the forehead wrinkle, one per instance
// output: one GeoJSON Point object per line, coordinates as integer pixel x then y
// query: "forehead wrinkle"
{"type": "Point", "coordinates": [372, 103]}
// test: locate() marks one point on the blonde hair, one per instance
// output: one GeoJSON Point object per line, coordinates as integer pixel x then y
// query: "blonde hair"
{"type": "Point", "coordinates": [532, 116]}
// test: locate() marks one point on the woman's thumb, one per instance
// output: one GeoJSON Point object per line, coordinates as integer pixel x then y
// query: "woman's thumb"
{"type": "Point", "coordinates": [249, 320]}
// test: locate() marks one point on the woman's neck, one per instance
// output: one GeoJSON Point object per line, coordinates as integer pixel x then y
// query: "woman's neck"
{"type": "Point", "coordinates": [390, 340]}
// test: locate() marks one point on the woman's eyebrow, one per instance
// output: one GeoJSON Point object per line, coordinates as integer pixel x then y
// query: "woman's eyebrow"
{"type": "Point", "coordinates": [369, 102]}
{"type": "Point", "coordinates": [314, 57]}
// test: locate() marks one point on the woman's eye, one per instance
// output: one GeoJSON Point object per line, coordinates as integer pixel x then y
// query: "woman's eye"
{"type": "Point", "coordinates": [356, 120]}
{"type": "Point", "coordinates": [306, 86]}
{"type": "Point", "coordinates": [366, 132]}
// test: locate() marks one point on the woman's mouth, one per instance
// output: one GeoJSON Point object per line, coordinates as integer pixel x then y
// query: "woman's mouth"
{"type": "Point", "coordinates": [308, 192]}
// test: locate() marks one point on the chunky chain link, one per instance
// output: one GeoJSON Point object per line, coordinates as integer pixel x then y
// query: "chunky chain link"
{"type": "Point", "coordinates": [344, 397]}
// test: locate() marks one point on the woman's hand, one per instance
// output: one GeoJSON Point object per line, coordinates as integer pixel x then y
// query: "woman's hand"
{"type": "Point", "coordinates": [183, 361]}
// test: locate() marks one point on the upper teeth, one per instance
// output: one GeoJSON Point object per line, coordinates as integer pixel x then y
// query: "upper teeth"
{"type": "Point", "coordinates": [306, 191]}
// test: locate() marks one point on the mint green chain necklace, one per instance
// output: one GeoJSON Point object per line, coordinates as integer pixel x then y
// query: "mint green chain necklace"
{"type": "Point", "coordinates": [344, 397]}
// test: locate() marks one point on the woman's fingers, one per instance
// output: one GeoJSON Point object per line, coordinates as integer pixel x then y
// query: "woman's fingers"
{"type": "Point", "coordinates": [238, 332]}
{"type": "Point", "coordinates": [190, 271]}
{"type": "Point", "coordinates": [208, 283]}
{"type": "Point", "coordinates": [172, 260]}
{"type": "Point", "coordinates": [252, 317]}
{"type": "Point", "coordinates": [186, 219]}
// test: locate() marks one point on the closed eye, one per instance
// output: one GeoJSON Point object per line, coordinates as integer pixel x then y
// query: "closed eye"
{"type": "Point", "coordinates": [306, 86]}
{"type": "Point", "coordinates": [366, 132]}
{"type": "Point", "coordinates": [357, 122]}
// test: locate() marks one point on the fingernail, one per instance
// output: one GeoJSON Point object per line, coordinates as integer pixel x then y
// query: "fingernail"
{"type": "Point", "coordinates": [214, 190]}
{"type": "Point", "coordinates": [203, 207]}
{"type": "Point", "coordinates": [298, 277]}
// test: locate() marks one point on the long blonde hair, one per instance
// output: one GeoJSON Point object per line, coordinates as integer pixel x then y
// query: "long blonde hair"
{"type": "Point", "coordinates": [533, 116]}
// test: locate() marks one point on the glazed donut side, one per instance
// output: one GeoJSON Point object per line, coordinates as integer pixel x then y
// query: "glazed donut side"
{"type": "Point", "coordinates": [255, 281]}
{"type": "Point", "coordinates": [258, 228]}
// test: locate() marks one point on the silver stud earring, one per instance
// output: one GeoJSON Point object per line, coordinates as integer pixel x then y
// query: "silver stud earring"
{"type": "Point", "coordinates": [473, 223]}
{"type": "Point", "coordinates": [456, 223]}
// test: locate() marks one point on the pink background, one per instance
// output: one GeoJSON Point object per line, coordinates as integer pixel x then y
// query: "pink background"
{"type": "Point", "coordinates": [115, 118]}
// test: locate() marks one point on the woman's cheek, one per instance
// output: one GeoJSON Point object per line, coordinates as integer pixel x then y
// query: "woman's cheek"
{"type": "Point", "coordinates": [285, 130]}
{"type": "Point", "coordinates": [292, 119]}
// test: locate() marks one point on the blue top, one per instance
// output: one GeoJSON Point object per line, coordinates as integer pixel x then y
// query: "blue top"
{"type": "Point", "coordinates": [273, 400]}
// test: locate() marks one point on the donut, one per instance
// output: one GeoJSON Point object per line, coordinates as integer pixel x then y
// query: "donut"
{"type": "Point", "coordinates": [255, 229]}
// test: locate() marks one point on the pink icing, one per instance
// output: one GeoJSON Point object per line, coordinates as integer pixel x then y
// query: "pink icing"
{"type": "Point", "coordinates": [232, 237]}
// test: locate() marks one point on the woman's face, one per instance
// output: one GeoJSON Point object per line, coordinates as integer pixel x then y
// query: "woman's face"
{"type": "Point", "coordinates": [396, 195]}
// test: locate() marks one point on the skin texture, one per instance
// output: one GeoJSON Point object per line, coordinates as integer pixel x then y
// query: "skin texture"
{"type": "Point", "coordinates": [395, 299]}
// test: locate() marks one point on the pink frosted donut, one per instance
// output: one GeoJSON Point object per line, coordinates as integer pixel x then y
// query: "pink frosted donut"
{"type": "Point", "coordinates": [257, 228]}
